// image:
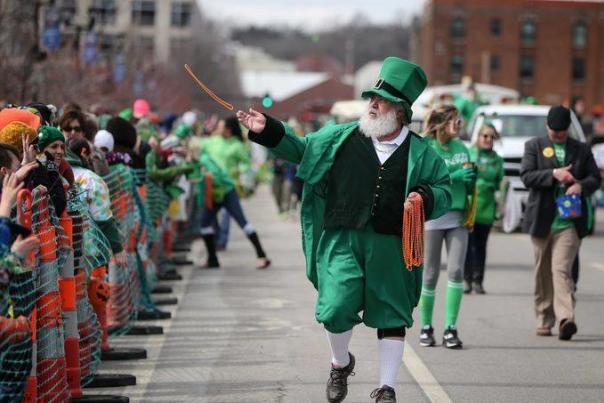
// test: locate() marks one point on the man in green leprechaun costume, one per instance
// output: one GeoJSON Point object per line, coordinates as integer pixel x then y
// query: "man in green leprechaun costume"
{"type": "Point", "coordinates": [357, 177]}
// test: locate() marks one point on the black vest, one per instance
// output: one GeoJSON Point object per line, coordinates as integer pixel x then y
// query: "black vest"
{"type": "Point", "coordinates": [360, 190]}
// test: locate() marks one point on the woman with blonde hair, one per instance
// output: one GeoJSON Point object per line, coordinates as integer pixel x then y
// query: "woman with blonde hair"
{"type": "Point", "coordinates": [442, 128]}
{"type": "Point", "coordinates": [490, 174]}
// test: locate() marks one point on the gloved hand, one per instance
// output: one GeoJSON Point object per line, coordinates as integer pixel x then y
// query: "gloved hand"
{"type": "Point", "coordinates": [465, 175]}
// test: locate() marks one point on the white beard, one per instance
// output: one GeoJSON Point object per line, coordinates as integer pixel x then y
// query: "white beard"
{"type": "Point", "coordinates": [379, 126]}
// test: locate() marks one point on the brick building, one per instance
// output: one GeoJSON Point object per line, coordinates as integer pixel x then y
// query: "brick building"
{"type": "Point", "coordinates": [550, 49]}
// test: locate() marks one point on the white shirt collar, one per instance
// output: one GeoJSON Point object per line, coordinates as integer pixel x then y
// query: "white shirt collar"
{"type": "Point", "coordinates": [398, 140]}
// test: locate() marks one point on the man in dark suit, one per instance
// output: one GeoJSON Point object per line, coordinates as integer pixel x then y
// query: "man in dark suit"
{"type": "Point", "coordinates": [555, 166]}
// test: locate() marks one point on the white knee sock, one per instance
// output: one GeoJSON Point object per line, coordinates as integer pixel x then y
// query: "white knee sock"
{"type": "Point", "coordinates": [338, 342]}
{"type": "Point", "coordinates": [391, 358]}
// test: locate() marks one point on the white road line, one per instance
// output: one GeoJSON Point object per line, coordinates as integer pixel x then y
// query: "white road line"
{"type": "Point", "coordinates": [599, 266]}
{"type": "Point", "coordinates": [424, 378]}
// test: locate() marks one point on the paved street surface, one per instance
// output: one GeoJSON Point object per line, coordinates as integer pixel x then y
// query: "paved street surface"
{"type": "Point", "coordinates": [243, 335]}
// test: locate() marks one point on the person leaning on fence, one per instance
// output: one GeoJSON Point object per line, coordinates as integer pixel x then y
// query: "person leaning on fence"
{"type": "Point", "coordinates": [51, 144]}
{"type": "Point", "coordinates": [23, 138]}
{"type": "Point", "coordinates": [357, 177]}
{"type": "Point", "coordinates": [79, 125]}
{"type": "Point", "coordinates": [561, 175]}
{"type": "Point", "coordinates": [16, 243]}
{"type": "Point", "coordinates": [490, 175]}
{"type": "Point", "coordinates": [95, 195]}
{"type": "Point", "coordinates": [125, 139]}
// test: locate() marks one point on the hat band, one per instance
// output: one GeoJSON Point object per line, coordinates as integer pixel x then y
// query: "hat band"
{"type": "Point", "coordinates": [381, 84]}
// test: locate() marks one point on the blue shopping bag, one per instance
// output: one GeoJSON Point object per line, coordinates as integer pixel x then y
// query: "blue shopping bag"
{"type": "Point", "coordinates": [569, 206]}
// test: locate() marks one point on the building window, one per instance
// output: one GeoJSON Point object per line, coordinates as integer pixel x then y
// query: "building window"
{"type": "Point", "coordinates": [495, 27]}
{"type": "Point", "coordinates": [495, 63]}
{"type": "Point", "coordinates": [104, 11]}
{"type": "Point", "coordinates": [527, 67]}
{"type": "Point", "coordinates": [580, 35]}
{"type": "Point", "coordinates": [106, 43]}
{"type": "Point", "coordinates": [578, 69]}
{"type": "Point", "coordinates": [458, 28]}
{"type": "Point", "coordinates": [180, 46]}
{"type": "Point", "coordinates": [69, 9]}
{"type": "Point", "coordinates": [181, 14]}
{"type": "Point", "coordinates": [528, 33]}
{"type": "Point", "coordinates": [456, 68]}
{"type": "Point", "coordinates": [110, 43]}
{"type": "Point", "coordinates": [145, 44]}
{"type": "Point", "coordinates": [143, 12]}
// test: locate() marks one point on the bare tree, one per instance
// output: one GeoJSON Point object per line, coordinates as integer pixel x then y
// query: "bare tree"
{"type": "Point", "coordinates": [19, 51]}
{"type": "Point", "coordinates": [60, 75]}
{"type": "Point", "coordinates": [208, 54]}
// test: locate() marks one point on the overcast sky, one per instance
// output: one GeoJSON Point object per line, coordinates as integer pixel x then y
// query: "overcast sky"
{"type": "Point", "coordinates": [310, 15]}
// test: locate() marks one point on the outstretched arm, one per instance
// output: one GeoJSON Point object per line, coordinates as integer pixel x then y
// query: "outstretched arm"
{"type": "Point", "coordinates": [273, 134]}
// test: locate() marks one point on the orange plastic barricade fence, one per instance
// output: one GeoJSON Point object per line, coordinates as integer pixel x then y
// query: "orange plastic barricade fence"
{"type": "Point", "coordinates": [67, 286]}
{"type": "Point", "coordinates": [90, 249]}
{"type": "Point", "coordinates": [24, 218]}
{"type": "Point", "coordinates": [120, 307]}
{"type": "Point", "coordinates": [51, 372]}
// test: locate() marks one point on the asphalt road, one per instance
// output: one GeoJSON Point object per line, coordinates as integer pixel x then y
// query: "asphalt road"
{"type": "Point", "coordinates": [243, 335]}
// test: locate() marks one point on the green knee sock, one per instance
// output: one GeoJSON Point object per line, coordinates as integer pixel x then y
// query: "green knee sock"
{"type": "Point", "coordinates": [454, 294]}
{"type": "Point", "coordinates": [426, 305]}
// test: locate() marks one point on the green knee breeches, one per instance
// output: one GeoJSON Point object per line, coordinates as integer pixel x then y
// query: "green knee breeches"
{"type": "Point", "coordinates": [360, 270]}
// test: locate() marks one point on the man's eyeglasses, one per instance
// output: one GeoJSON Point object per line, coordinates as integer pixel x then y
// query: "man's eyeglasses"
{"type": "Point", "coordinates": [69, 129]}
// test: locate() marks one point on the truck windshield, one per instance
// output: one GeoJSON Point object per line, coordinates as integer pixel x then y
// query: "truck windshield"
{"type": "Point", "coordinates": [519, 125]}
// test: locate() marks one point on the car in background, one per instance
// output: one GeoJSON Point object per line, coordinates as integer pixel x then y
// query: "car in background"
{"type": "Point", "coordinates": [516, 124]}
{"type": "Point", "coordinates": [489, 94]}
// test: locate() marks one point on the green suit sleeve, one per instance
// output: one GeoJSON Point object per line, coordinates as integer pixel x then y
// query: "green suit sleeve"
{"type": "Point", "coordinates": [109, 228]}
{"type": "Point", "coordinates": [281, 139]}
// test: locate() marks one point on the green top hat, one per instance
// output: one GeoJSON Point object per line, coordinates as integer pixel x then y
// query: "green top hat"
{"type": "Point", "coordinates": [400, 82]}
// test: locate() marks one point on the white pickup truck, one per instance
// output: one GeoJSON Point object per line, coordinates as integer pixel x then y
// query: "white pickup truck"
{"type": "Point", "coordinates": [516, 124]}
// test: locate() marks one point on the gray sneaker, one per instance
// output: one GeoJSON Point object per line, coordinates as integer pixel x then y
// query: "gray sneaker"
{"type": "Point", "coordinates": [385, 394]}
{"type": "Point", "coordinates": [337, 384]}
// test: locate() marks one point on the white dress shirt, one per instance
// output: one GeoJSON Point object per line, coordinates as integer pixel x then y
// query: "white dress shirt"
{"type": "Point", "coordinates": [384, 149]}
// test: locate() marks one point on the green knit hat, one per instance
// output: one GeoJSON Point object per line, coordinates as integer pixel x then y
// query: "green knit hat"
{"type": "Point", "coordinates": [126, 114]}
{"type": "Point", "coordinates": [400, 82]}
{"type": "Point", "coordinates": [48, 135]}
{"type": "Point", "coordinates": [182, 131]}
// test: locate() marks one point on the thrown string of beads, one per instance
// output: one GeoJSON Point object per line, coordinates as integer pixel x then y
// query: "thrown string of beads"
{"type": "Point", "coordinates": [207, 90]}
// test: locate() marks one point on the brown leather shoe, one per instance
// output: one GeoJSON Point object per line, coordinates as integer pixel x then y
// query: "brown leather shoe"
{"type": "Point", "coordinates": [567, 329]}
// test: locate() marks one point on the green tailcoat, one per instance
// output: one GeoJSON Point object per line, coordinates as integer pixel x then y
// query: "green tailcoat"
{"type": "Point", "coordinates": [316, 153]}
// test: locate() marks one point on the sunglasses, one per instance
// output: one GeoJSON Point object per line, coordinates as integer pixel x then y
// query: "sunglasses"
{"type": "Point", "coordinates": [69, 129]}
